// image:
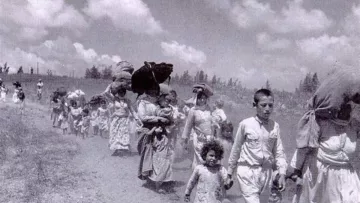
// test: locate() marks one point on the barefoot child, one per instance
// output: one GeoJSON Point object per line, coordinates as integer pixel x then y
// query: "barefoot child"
{"type": "Point", "coordinates": [210, 176]}
{"type": "Point", "coordinates": [257, 147]}
{"type": "Point", "coordinates": [75, 111]}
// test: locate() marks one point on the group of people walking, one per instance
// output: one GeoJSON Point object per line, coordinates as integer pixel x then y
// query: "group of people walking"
{"type": "Point", "coordinates": [326, 140]}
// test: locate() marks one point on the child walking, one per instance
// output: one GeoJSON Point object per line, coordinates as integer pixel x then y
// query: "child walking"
{"type": "Point", "coordinates": [209, 176]}
{"type": "Point", "coordinates": [94, 119]}
{"type": "Point", "coordinates": [103, 115]}
{"type": "Point", "coordinates": [257, 147]}
{"type": "Point", "coordinates": [225, 138]}
{"type": "Point", "coordinates": [84, 123]}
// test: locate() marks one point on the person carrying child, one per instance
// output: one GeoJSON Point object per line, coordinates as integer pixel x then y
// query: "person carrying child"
{"type": "Point", "coordinates": [210, 176]}
{"type": "Point", "coordinates": [257, 147]}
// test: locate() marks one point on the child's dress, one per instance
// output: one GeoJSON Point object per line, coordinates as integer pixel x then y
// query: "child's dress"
{"type": "Point", "coordinates": [3, 93]}
{"type": "Point", "coordinates": [210, 184]}
{"type": "Point", "coordinates": [103, 119]}
{"type": "Point", "coordinates": [76, 118]}
{"type": "Point", "coordinates": [94, 121]}
{"type": "Point", "coordinates": [84, 125]}
{"type": "Point", "coordinates": [15, 97]}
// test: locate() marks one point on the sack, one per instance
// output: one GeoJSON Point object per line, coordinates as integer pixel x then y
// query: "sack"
{"type": "Point", "coordinates": [149, 76]}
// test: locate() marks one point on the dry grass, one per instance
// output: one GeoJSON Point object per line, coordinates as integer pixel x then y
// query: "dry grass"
{"type": "Point", "coordinates": [35, 164]}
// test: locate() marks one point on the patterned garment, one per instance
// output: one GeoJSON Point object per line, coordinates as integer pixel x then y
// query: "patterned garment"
{"type": "Point", "coordinates": [120, 126]}
{"type": "Point", "coordinates": [210, 184]}
{"type": "Point", "coordinates": [103, 119]}
{"type": "Point", "coordinates": [160, 154]}
{"type": "Point", "coordinates": [84, 125]}
{"type": "Point", "coordinates": [162, 159]}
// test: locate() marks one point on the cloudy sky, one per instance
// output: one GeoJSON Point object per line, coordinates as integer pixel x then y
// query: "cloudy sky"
{"type": "Point", "coordinates": [252, 40]}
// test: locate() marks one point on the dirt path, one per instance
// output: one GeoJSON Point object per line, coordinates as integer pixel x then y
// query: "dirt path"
{"type": "Point", "coordinates": [95, 175]}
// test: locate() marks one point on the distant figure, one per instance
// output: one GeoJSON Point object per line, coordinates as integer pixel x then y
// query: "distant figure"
{"type": "Point", "coordinates": [21, 97]}
{"type": "Point", "coordinates": [3, 93]}
{"type": "Point", "coordinates": [39, 85]}
{"type": "Point", "coordinates": [16, 91]}
{"type": "Point", "coordinates": [32, 70]}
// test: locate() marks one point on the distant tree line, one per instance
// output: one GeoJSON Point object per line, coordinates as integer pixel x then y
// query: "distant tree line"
{"type": "Point", "coordinates": [95, 73]}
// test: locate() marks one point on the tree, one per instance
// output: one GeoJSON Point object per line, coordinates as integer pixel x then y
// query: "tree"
{"type": "Point", "coordinates": [94, 72]}
{"type": "Point", "coordinates": [186, 79]}
{"type": "Point", "coordinates": [213, 81]}
{"type": "Point", "coordinates": [176, 78]}
{"type": "Point", "coordinates": [107, 73]}
{"type": "Point", "coordinates": [20, 70]}
{"type": "Point", "coordinates": [196, 78]}
{"type": "Point", "coordinates": [206, 78]}
{"type": "Point", "coordinates": [267, 85]}
{"type": "Point", "coordinates": [230, 82]}
{"type": "Point", "coordinates": [307, 86]}
{"type": "Point", "coordinates": [87, 73]}
{"type": "Point", "coordinates": [315, 82]}
{"type": "Point", "coordinates": [49, 72]}
{"type": "Point", "coordinates": [201, 76]}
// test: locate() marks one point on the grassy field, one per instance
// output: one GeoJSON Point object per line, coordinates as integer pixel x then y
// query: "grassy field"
{"type": "Point", "coordinates": [28, 161]}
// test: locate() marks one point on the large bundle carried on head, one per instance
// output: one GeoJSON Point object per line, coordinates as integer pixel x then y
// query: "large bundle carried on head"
{"type": "Point", "coordinates": [58, 93]}
{"type": "Point", "coordinates": [123, 73]}
{"type": "Point", "coordinates": [149, 76]}
{"type": "Point", "coordinates": [204, 88]}
{"type": "Point", "coordinates": [17, 84]}
{"type": "Point", "coordinates": [96, 100]}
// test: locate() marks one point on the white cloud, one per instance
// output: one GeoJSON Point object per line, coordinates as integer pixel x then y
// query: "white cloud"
{"type": "Point", "coordinates": [131, 15]}
{"type": "Point", "coordinates": [60, 55]}
{"type": "Point", "coordinates": [352, 21]}
{"type": "Point", "coordinates": [183, 52]}
{"type": "Point", "coordinates": [251, 13]}
{"type": "Point", "coordinates": [328, 49]}
{"type": "Point", "coordinates": [294, 18]}
{"type": "Point", "coordinates": [32, 19]}
{"type": "Point", "coordinates": [266, 42]}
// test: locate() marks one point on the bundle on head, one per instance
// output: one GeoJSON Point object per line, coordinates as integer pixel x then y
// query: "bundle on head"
{"type": "Point", "coordinates": [150, 76]}
{"type": "Point", "coordinates": [96, 100]}
{"type": "Point", "coordinates": [17, 84]}
{"type": "Point", "coordinates": [204, 88]}
{"type": "Point", "coordinates": [61, 91]}
{"type": "Point", "coordinates": [123, 72]}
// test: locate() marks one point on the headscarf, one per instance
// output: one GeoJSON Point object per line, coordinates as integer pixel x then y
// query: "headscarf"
{"type": "Point", "coordinates": [338, 89]}
{"type": "Point", "coordinates": [202, 88]}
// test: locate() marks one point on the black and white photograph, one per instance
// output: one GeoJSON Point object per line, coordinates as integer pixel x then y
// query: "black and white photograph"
{"type": "Point", "coordinates": [170, 101]}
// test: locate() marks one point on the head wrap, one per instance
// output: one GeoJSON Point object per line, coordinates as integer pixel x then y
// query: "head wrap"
{"type": "Point", "coordinates": [338, 89]}
{"type": "Point", "coordinates": [204, 88]}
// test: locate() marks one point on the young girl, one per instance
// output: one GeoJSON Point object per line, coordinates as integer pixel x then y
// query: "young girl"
{"type": "Point", "coordinates": [94, 119]}
{"type": "Point", "coordinates": [65, 123]}
{"type": "Point", "coordinates": [225, 138]}
{"type": "Point", "coordinates": [84, 124]}
{"type": "Point", "coordinates": [103, 115]}
{"type": "Point", "coordinates": [210, 176]}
